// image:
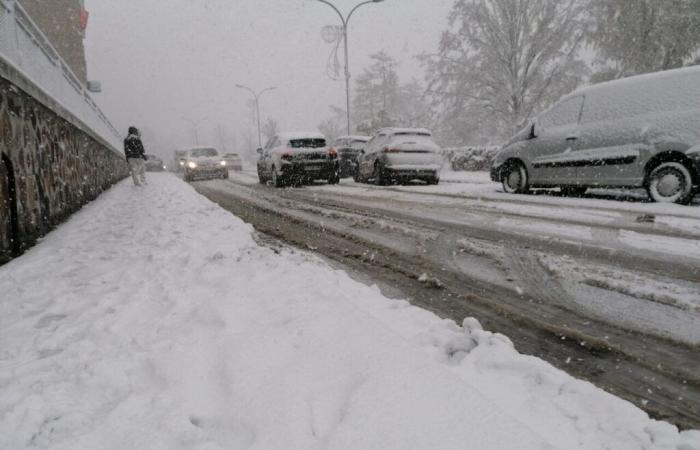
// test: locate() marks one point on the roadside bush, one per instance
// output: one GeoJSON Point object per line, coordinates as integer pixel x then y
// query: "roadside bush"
{"type": "Point", "coordinates": [471, 159]}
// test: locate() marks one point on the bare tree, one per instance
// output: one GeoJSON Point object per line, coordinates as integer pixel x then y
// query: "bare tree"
{"type": "Point", "coordinates": [270, 128]}
{"type": "Point", "coordinates": [502, 61]}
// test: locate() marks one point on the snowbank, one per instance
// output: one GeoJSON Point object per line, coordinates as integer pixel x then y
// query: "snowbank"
{"type": "Point", "coordinates": [153, 320]}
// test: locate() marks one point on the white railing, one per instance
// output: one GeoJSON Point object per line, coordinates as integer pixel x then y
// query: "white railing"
{"type": "Point", "coordinates": [27, 49]}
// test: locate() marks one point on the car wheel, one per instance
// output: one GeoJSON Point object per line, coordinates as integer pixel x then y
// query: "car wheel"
{"type": "Point", "coordinates": [276, 179]}
{"type": "Point", "coordinates": [434, 181]}
{"type": "Point", "coordinates": [379, 175]}
{"type": "Point", "coordinates": [334, 178]}
{"type": "Point", "coordinates": [225, 175]}
{"type": "Point", "coordinates": [573, 191]}
{"type": "Point", "coordinates": [670, 182]}
{"type": "Point", "coordinates": [357, 177]}
{"type": "Point", "coordinates": [515, 179]}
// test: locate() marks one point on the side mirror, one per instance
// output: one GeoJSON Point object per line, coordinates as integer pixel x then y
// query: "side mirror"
{"type": "Point", "coordinates": [533, 133]}
{"type": "Point", "coordinates": [259, 151]}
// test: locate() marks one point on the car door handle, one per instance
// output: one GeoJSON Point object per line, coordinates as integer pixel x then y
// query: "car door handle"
{"type": "Point", "coordinates": [572, 138]}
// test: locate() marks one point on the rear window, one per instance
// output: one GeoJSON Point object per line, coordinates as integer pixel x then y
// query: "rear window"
{"type": "Point", "coordinates": [199, 152]}
{"type": "Point", "coordinates": [358, 143]}
{"type": "Point", "coordinates": [412, 138]}
{"type": "Point", "coordinates": [307, 143]}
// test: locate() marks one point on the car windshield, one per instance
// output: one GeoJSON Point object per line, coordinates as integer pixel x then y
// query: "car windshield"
{"type": "Point", "coordinates": [307, 143]}
{"type": "Point", "coordinates": [350, 224]}
{"type": "Point", "coordinates": [203, 152]}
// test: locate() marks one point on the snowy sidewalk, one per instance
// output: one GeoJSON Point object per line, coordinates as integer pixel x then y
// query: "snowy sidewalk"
{"type": "Point", "coordinates": [153, 320]}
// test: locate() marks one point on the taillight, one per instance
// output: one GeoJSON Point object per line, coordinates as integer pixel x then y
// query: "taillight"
{"type": "Point", "coordinates": [333, 153]}
{"type": "Point", "coordinates": [391, 150]}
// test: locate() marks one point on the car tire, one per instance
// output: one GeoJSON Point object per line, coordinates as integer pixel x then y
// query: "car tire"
{"type": "Point", "coordinates": [334, 178]}
{"type": "Point", "coordinates": [670, 182]}
{"type": "Point", "coordinates": [515, 179]}
{"type": "Point", "coordinates": [379, 175]}
{"type": "Point", "coordinates": [573, 191]}
{"type": "Point", "coordinates": [276, 179]}
{"type": "Point", "coordinates": [357, 178]}
{"type": "Point", "coordinates": [225, 175]}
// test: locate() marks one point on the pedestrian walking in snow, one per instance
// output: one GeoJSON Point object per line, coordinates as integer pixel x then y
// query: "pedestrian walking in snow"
{"type": "Point", "coordinates": [135, 156]}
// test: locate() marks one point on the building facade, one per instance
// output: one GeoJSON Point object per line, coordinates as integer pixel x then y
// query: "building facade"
{"type": "Point", "coordinates": [58, 151]}
{"type": "Point", "coordinates": [63, 22]}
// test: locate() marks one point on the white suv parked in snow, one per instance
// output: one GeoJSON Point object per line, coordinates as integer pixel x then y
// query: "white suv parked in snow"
{"type": "Point", "coordinates": [400, 154]}
{"type": "Point", "coordinates": [295, 158]}
{"type": "Point", "coordinates": [641, 131]}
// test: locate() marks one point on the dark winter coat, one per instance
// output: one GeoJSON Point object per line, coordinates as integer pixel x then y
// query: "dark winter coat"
{"type": "Point", "coordinates": [133, 147]}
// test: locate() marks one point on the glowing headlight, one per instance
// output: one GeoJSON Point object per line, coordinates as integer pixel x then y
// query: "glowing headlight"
{"type": "Point", "coordinates": [192, 165]}
{"type": "Point", "coordinates": [223, 163]}
{"type": "Point", "coordinates": [182, 163]}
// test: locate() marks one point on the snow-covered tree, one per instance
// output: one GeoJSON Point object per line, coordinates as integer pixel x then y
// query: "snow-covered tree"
{"type": "Point", "coordinates": [640, 36]}
{"type": "Point", "coordinates": [500, 62]}
{"type": "Point", "coordinates": [376, 92]}
{"type": "Point", "coordinates": [335, 125]}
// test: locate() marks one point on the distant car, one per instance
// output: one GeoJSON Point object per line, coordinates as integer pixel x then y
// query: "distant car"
{"type": "Point", "coordinates": [349, 148]}
{"type": "Point", "coordinates": [233, 161]}
{"type": "Point", "coordinates": [179, 159]}
{"type": "Point", "coordinates": [204, 163]}
{"type": "Point", "coordinates": [400, 155]}
{"type": "Point", "coordinates": [642, 131]}
{"type": "Point", "coordinates": [154, 164]}
{"type": "Point", "coordinates": [290, 158]}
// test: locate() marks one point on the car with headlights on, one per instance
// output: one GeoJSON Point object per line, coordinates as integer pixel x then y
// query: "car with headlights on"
{"type": "Point", "coordinates": [349, 148]}
{"type": "Point", "coordinates": [637, 132]}
{"type": "Point", "coordinates": [154, 164]}
{"type": "Point", "coordinates": [297, 158]}
{"type": "Point", "coordinates": [400, 155]}
{"type": "Point", "coordinates": [203, 163]}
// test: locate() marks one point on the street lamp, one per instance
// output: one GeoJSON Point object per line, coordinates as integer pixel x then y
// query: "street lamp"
{"type": "Point", "coordinates": [257, 105]}
{"type": "Point", "coordinates": [345, 21]}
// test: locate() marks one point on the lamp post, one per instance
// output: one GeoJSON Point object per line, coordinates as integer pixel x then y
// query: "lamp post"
{"type": "Point", "coordinates": [257, 105]}
{"type": "Point", "coordinates": [345, 20]}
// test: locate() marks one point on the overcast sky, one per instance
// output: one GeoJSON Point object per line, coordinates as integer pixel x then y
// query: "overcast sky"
{"type": "Point", "coordinates": [164, 64]}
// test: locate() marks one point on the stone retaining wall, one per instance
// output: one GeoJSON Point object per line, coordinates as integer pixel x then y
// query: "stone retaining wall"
{"type": "Point", "coordinates": [50, 164]}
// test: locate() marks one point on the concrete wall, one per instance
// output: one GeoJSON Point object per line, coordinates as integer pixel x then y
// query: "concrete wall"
{"type": "Point", "coordinates": [50, 163]}
{"type": "Point", "coordinates": [59, 20]}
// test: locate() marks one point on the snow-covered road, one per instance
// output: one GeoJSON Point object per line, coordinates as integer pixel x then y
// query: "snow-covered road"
{"type": "Point", "coordinates": [153, 320]}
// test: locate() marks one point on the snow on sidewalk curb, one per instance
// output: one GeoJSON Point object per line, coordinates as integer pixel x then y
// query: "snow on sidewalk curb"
{"type": "Point", "coordinates": [152, 320]}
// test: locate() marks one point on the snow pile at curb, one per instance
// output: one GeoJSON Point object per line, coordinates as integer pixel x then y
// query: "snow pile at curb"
{"type": "Point", "coordinates": [152, 320]}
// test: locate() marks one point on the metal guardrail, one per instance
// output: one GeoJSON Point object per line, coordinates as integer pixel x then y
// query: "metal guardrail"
{"type": "Point", "coordinates": [27, 49]}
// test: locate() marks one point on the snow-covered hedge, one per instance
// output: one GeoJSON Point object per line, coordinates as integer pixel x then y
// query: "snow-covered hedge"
{"type": "Point", "coordinates": [470, 158]}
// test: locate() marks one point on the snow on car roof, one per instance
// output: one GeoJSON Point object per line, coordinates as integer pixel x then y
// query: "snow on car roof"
{"type": "Point", "coordinates": [406, 131]}
{"type": "Point", "coordinates": [301, 135]}
{"type": "Point", "coordinates": [201, 147]}
{"type": "Point", "coordinates": [637, 80]}
{"type": "Point", "coordinates": [356, 137]}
